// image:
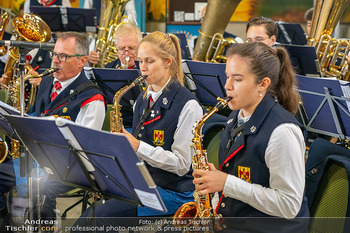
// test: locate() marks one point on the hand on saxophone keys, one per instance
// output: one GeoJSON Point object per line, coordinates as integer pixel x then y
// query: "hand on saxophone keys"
{"type": "Point", "coordinates": [35, 80]}
{"type": "Point", "coordinates": [135, 143]}
{"type": "Point", "coordinates": [209, 181]}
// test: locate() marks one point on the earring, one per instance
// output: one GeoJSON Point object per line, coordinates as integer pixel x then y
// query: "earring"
{"type": "Point", "coordinates": [260, 95]}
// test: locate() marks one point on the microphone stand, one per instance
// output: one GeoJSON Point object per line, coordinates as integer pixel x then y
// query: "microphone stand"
{"type": "Point", "coordinates": [26, 162]}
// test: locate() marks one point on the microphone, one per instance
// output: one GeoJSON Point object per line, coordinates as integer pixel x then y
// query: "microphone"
{"type": "Point", "coordinates": [27, 45]}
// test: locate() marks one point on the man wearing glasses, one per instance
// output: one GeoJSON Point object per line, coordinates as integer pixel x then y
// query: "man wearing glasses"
{"type": "Point", "coordinates": [261, 29]}
{"type": "Point", "coordinates": [69, 57]}
{"type": "Point", "coordinates": [127, 38]}
{"type": "Point", "coordinates": [57, 95]}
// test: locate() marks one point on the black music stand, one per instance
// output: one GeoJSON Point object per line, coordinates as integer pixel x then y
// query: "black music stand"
{"type": "Point", "coordinates": [206, 80]}
{"type": "Point", "coordinates": [51, 16]}
{"type": "Point", "coordinates": [81, 20]}
{"type": "Point", "coordinates": [111, 80]}
{"type": "Point", "coordinates": [185, 51]}
{"type": "Point", "coordinates": [325, 105]}
{"type": "Point", "coordinates": [96, 161]}
{"type": "Point", "coordinates": [67, 18]}
{"type": "Point", "coordinates": [304, 60]}
{"type": "Point", "coordinates": [5, 127]}
{"type": "Point", "coordinates": [291, 33]}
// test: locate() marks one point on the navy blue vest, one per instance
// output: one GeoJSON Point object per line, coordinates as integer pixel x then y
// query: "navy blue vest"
{"type": "Point", "coordinates": [246, 157]}
{"type": "Point", "coordinates": [71, 108]}
{"type": "Point", "coordinates": [159, 128]}
{"type": "Point", "coordinates": [41, 59]}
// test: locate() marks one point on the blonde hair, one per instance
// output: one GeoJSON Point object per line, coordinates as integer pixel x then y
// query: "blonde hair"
{"type": "Point", "coordinates": [125, 29]}
{"type": "Point", "coordinates": [167, 47]}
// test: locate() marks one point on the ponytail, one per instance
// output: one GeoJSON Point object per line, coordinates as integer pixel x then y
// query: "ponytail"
{"type": "Point", "coordinates": [285, 88]}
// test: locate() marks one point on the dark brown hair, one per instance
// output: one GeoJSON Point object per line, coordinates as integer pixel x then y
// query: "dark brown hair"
{"type": "Point", "coordinates": [269, 24]}
{"type": "Point", "coordinates": [308, 14]}
{"type": "Point", "coordinates": [275, 64]}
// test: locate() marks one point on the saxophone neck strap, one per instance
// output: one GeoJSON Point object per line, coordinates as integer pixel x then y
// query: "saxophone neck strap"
{"type": "Point", "coordinates": [234, 134]}
{"type": "Point", "coordinates": [81, 88]}
{"type": "Point", "coordinates": [144, 117]}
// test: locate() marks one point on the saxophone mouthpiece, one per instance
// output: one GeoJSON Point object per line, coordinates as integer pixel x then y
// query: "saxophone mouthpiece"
{"type": "Point", "coordinates": [222, 103]}
{"type": "Point", "coordinates": [49, 71]}
{"type": "Point", "coordinates": [140, 79]}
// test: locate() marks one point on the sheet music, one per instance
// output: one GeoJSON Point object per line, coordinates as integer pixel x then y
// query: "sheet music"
{"type": "Point", "coordinates": [60, 122]}
{"type": "Point", "coordinates": [345, 87]}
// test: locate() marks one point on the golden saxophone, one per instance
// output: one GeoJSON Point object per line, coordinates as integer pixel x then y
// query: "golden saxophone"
{"type": "Point", "coordinates": [201, 207]}
{"type": "Point", "coordinates": [116, 120]}
{"type": "Point", "coordinates": [14, 89]}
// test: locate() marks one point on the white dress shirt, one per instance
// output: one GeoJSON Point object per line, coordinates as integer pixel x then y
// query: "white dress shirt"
{"type": "Point", "coordinates": [284, 157]}
{"type": "Point", "coordinates": [178, 160]}
{"type": "Point", "coordinates": [129, 10]}
{"type": "Point", "coordinates": [90, 115]}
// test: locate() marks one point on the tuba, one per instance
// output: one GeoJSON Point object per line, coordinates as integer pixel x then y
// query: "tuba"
{"type": "Point", "coordinates": [216, 9]}
{"type": "Point", "coordinates": [116, 120]}
{"type": "Point", "coordinates": [201, 208]}
{"type": "Point", "coordinates": [111, 17]}
{"type": "Point", "coordinates": [29, 27]}
{"type": "Point", "coordinates": [3, 23]}
{"type": "Point", "coordinates": [326, 16]}
{"type": "Point", "coordinates": [215, 53]}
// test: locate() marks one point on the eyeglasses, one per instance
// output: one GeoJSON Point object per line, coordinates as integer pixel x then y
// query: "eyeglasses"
{"type": "Point", "coordinates": [123, 50]}
{"type": "Point", "coordinates": [62, 57]}
{"type": "Point", "coordinates": [257, 39]}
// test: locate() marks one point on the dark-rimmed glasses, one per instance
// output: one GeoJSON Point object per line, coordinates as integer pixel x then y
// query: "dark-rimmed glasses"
{"type": "Point", "coordinates": [62, 57]}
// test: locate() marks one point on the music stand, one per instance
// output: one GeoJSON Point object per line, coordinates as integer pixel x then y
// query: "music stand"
{"type": "Point", "coordinates": [206, 80]}
{"type": "Point", "coordinates": [5, 127]}
{"type": "Point", "coordinates": [325, 105]}
{"type": "Point", "coordinates": [50, 15]}
{"type": "Point", "coordinates": [304, 60]}
{"type": "Point", "coordinates": [81, 20]}
{"type": "Point", "coordinates": [64, 150]}
{"type": "Point", "coordinates": [111, 80]}
{"type": "Point", "coordinates": [67, 18]}
{"type": "Point", "coordinates": [291, 33]}
{"type": "Point", "coordinates": [185, 51]}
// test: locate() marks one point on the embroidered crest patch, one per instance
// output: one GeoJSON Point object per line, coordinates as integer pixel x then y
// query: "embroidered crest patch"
{"type": "Point", "coordinates": [244, 173]}
{"type": "Point", "coordinates": [158, 136]}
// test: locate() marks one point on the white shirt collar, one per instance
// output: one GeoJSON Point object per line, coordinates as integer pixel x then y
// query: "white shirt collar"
{"type": "Point", "coordinates": [156, 95]}
{"type": "Point", "coordinates": [66, 83]}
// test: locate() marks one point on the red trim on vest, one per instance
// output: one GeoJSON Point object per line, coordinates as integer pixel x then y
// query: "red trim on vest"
{"type": "Point", "coordinates": [95, 97]}
{"type": "Point", "coordinates": [54, 109]}
{"type": "Point", "coordinates": [217, 207]}
{"type": "Point", "coordinates": [153, 120]}
{"type": "Point", "coordinates": [231, 156]}
{"type": "Point", "coordinates": [51, 3]}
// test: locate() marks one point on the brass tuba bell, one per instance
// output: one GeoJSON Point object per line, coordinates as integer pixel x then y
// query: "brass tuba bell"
{"type": "Point", "coordinates": [216, 18]}
{"type": "Point", "coordinates": [29, 27]}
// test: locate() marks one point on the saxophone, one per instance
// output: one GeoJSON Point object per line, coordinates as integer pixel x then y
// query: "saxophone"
{"type": "Point", "coordinates": [116, 120]}
{"type": "Point", "coordinates": [14, 89]}
{"type": "Point", "coordinates": [201, 207]}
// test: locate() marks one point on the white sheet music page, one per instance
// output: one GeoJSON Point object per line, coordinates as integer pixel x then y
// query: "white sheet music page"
{"type": "Point", "coordinates": [60, 122]}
